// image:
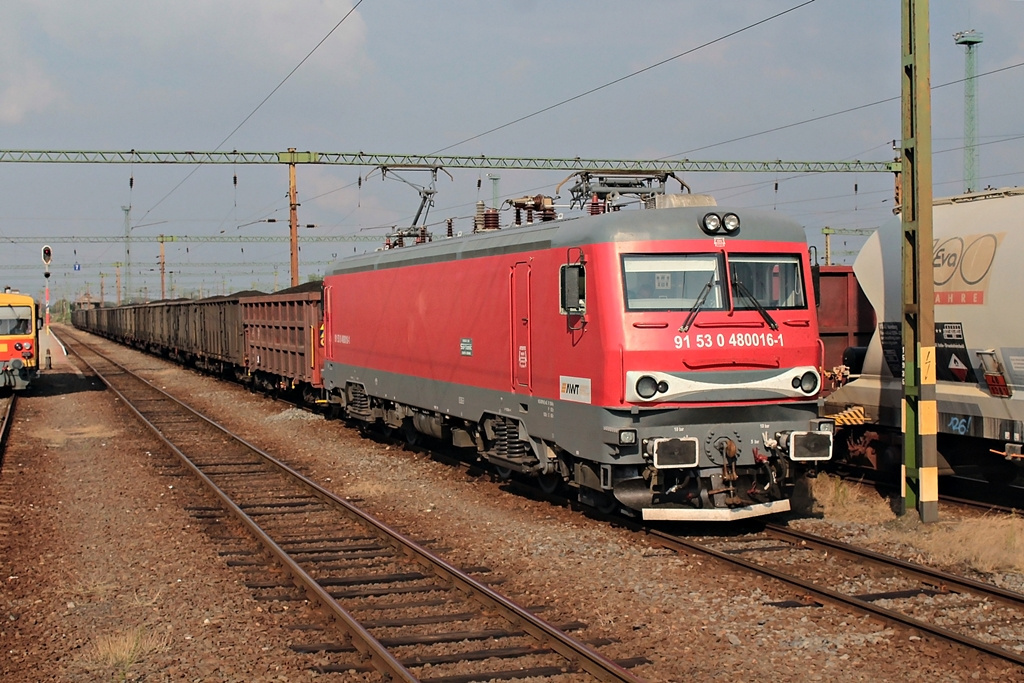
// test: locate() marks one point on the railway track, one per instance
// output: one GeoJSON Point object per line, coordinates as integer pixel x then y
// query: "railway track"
{"type": "Point", "coordinates": [6, 411]}
{"type": "Point", "coordinates": [971, 613]}
{"type": "Point", "coordinates": [974, 614]}
{"type": "Point", "coordinates": [1005, 500]}
{"type": "Point", "coordinates": [397, 608]}
{"type": "Point", "coordinates": [957, 609]}
{"type": "Point", "coordinates": [969, 493]}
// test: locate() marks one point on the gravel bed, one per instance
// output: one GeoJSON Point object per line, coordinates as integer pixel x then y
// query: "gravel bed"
{"type": "Point", "coordinates": [693, 618]}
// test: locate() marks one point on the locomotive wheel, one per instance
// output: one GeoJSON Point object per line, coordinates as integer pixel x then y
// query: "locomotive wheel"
{"type": "Point", "coordinates": [504, 473]}
{"type": "Point", "coordinates": [412, 437]}
{"type": "Point", "coordinates": [606, 503]}
{"type": "Point", "coordinates": [549, 483]}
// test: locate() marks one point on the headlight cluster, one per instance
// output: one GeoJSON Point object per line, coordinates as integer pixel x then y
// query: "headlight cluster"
{"type": "Point", "coordinates": [713, 224]}
{"type": "Point", "coordinates": [807, 382]}
{"type": "Point", "coordinates": [647, 387]}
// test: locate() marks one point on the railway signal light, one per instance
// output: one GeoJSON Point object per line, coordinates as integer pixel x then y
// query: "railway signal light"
{"type": "Point", "coordinates": [47, 255]}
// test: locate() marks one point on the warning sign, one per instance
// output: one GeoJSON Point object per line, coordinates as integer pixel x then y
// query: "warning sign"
{"type": "Point", "coordinates": [957, 367]}
{"type": "Point", "coordinates": [953, 361]}
{"type": "Point", "coordinates": [891, 336]}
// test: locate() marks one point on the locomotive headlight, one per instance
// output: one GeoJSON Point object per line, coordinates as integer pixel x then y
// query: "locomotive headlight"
{"type": "Point", "coordinates": [823, 425]}
{"type": "Point", "coordinates": [731, 222]}
{"type": "Point", "coordinates": [27, 346]}
{"type": "Point", "coordinates": [711, 223]}
{"type": "Point", "coordinates": [17, 346]}
{"type": "Point", "coordinates": [627, 437]}
{"type": "Point", "coordinates": [808, 382]}
{"type": "Point", "coordinates": [646, 387]}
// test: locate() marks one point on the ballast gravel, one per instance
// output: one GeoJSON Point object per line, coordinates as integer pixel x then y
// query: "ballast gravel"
{"type": "Point", "coordinates": [99, 548]}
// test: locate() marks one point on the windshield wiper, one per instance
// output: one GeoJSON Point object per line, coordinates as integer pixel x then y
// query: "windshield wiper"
{"type": "Point", "coordinates": [742, 289]}
{"type": "Point", "coordinates": [692, 315]}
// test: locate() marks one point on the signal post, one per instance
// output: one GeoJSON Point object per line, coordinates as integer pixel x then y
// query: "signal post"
{"type": "Point", "coordinates": [47, 257]}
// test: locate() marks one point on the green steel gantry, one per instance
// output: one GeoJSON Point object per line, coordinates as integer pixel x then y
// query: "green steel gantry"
{"type": "Point", "coordinates": [292, 158]}
{"type": "Point", "coordinates": [435, 161]}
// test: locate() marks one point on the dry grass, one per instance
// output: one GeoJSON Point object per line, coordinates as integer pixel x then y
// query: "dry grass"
{"type": "Point", "coordinates": [144, 600]}
{"type": "Point", "coordinates": [82, 591]}
{"type": "Point", "coordinates": [366, 490]}
{"type": "Point", "coordinates": [843, 501]}
{"type": "Point", "coordinates": [119, 651]}
{"type": "Point", "coordinates": [985, 544]}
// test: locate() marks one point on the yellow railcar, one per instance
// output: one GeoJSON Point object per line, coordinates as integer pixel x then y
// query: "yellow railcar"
{"type": "Point", "coordinates": [19, 340]}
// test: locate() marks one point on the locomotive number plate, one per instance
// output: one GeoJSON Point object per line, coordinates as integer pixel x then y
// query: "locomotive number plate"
{"type": "Point", "coordinates": [734, 339]}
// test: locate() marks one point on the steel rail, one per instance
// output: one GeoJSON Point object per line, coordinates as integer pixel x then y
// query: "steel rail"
{"type": "Point", "coordinates": [380, 656]}
{"type": "Point", "coordinates": [863, 478]}
{"type": "Point", "coordinates": [1011, 598]}
{"type": "Point", "coordinates": [979, 505]}
{"type": "Point", "coordinates": [568, 647]}
{"type": "Point", "coordinates": [677, 543]}
{"type": "Point", "coordinates": [6, 412]}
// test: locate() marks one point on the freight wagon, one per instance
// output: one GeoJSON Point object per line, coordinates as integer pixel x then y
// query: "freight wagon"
{"type": "Point", "coordinates": [979, 341]}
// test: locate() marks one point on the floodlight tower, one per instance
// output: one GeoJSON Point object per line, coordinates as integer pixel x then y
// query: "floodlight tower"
{"type": "Point", "coordinates": [969, 39]}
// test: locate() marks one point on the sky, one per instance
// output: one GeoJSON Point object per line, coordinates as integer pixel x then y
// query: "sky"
{"type": "Point", "coordinates": [662, 79]}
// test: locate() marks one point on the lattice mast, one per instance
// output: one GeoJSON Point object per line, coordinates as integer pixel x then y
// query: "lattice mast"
{"type": "Point", "coordinates": [970, 40]}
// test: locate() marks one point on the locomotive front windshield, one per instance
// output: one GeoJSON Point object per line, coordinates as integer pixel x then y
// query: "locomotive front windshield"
{"type": "Point", "coordinates": [15, 319]}
{"type": "Point", "coordinates": [676, 282]}
{"type": "Point", "coordinates": [672, 282]}
{"type": "Point", "coordinates": [773, 280]}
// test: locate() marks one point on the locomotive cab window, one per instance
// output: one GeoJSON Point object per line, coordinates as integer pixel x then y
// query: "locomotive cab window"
{"type": "Point", "coordinates": [16, 320]}
{"type": "Point", "coordinates": [573, 296]}
{"type": "Point", "coordinates": [773, 280]}
{"type": "Point", "coordinates": [672, 282]}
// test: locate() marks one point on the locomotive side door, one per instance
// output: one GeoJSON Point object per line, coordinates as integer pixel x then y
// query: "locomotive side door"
{"type": "Point", "coordinates": [521, 370]}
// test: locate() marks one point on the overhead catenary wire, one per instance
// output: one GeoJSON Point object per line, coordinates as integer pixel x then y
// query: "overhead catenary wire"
{"type": "Point", "coordinates": [828, 116]}
{"type": "Point", "coordinates": [606, 85]}
{"type": "Point", "coordinates": [258, 106]}
{"type": "Point", "coordinates": [766, 131]}
{"type": "Point", "coordinates": [743, 137]}
{"type": "Point", "coordinates": [626, 77]}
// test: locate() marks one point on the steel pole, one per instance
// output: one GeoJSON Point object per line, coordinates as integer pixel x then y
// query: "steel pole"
{"type": "Point", "coordinates": [293, 217]}
{"type": "Point", "coordinates": [920, 481]}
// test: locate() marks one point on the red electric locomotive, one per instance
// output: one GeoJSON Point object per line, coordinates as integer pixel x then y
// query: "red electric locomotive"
{"type": "Point", "coordinates": [662, 360]}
